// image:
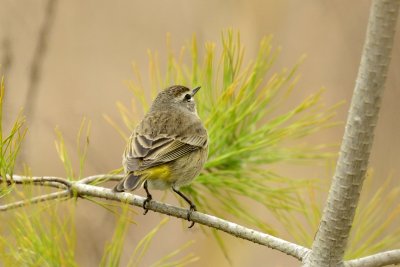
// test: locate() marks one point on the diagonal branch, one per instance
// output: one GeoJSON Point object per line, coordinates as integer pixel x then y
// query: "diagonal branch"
{"type": "Point", "coordinates": [331, 239]}
{"type": "Point", "coordinates": [82, 189]}
{"type": "Point", "coordinates": [231, 228]}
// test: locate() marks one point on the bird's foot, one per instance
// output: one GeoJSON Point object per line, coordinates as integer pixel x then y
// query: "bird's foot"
{"type": "Point", "coordinates": [145, 202]}
{"type": "Point", "coordinates": [190, 211]}
{"type": "Point", "coordinates": [148, 199]}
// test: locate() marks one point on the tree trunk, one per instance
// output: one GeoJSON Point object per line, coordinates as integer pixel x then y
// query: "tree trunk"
{"type": "Point", "coordinates": [330, 242]}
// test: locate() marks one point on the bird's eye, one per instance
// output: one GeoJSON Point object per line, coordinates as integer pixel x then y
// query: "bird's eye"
{"type": "Point", "coordinates": [188, 97]}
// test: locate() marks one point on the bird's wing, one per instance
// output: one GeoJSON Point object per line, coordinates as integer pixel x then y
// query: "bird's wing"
{"type": "Point", "coordinates": [144, 152]}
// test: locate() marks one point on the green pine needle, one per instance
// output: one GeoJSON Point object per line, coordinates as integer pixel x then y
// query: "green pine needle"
{"type": "Point", "coordinates": [10, 144]}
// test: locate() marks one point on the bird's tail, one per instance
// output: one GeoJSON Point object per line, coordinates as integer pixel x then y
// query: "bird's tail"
{"type": "Point", "coordinates": [129, 183]}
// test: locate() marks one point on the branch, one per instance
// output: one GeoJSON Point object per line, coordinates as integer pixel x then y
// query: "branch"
{"type": "Point", "coordinates": [62, 183]}
{"type": "Point", "coordinates": [331, 239]}
{"type": "Point", "coordinates": [101, 178]}
{"type": "Point", "coordinates": [34, 200]}
{"type": "Point", "coordinates": [82, 189]}
{"type": "Point", "coordinates": [51, 181]}
{"type": "Point", "coordinates": [376, 260]}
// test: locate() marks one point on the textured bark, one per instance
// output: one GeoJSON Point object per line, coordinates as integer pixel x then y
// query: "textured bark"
{"type": "Point", "coordinates": [331, 240]}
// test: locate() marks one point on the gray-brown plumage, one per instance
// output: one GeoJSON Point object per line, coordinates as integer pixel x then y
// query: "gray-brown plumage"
{"type": "Point", "coordinates": [169, 146]}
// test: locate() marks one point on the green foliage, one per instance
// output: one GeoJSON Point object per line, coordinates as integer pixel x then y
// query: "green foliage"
{"type": "Point", "coordinates": [114, 248]}
{"type": "Point", "coordinates": [11, 143]}
{"type": "Point", "coordinates": [376, 226]}
{"type": "Point", "coordinates": [302, 224]}
{"type": "Point", "coordinates": [82, 144]}
{"type": "Point", "coordinates": [241, 105]}
{"type": "Point", "coordinates": [43, 234]}
{"type": "Point", "coordinates": [38, 235]}
{"type": "Point", "coordinates": [168, 260]}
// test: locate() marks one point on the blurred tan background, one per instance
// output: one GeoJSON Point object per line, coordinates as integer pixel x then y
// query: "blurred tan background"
{"type": "Point", "coordinates": [90, 47]}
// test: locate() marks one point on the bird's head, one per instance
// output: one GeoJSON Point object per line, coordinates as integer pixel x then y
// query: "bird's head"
{"type": "Point", "coordinates": [177, 96]}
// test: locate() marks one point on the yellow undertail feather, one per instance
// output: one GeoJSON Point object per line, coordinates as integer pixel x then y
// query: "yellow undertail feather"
{"type": "Point", "coordinates": [134, 180]}
{"type": "Point", "coordinates": [161, 172]}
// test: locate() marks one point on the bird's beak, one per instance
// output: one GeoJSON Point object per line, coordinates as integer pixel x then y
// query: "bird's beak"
{"type": "Point", "coordinates": [195, 90]}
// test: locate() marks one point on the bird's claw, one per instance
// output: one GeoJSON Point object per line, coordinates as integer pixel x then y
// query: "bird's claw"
{"type": "Point", "coordinates": [190, 211]}
{"type": "Point", "coordinates": [145, 202]}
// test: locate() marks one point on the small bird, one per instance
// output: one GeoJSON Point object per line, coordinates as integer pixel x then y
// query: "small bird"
{"type": "Point", "coordinates": [168, 148]}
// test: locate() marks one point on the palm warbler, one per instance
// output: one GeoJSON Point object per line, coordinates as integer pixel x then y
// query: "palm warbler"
{"type": "Point", "coordinates": [168, 148]}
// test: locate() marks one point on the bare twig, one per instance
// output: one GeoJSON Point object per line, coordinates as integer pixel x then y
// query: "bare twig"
{"type": "Point", "coordinates": [34, 200]}
{"type": "Point", "coordinates": [61, 183]}
{"type": "Point", "coordinates": [101, 178]}
{"type": "Point", "coordinates": [391, 257]}
{"type": "Point", "coordinates": [52, 181]}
